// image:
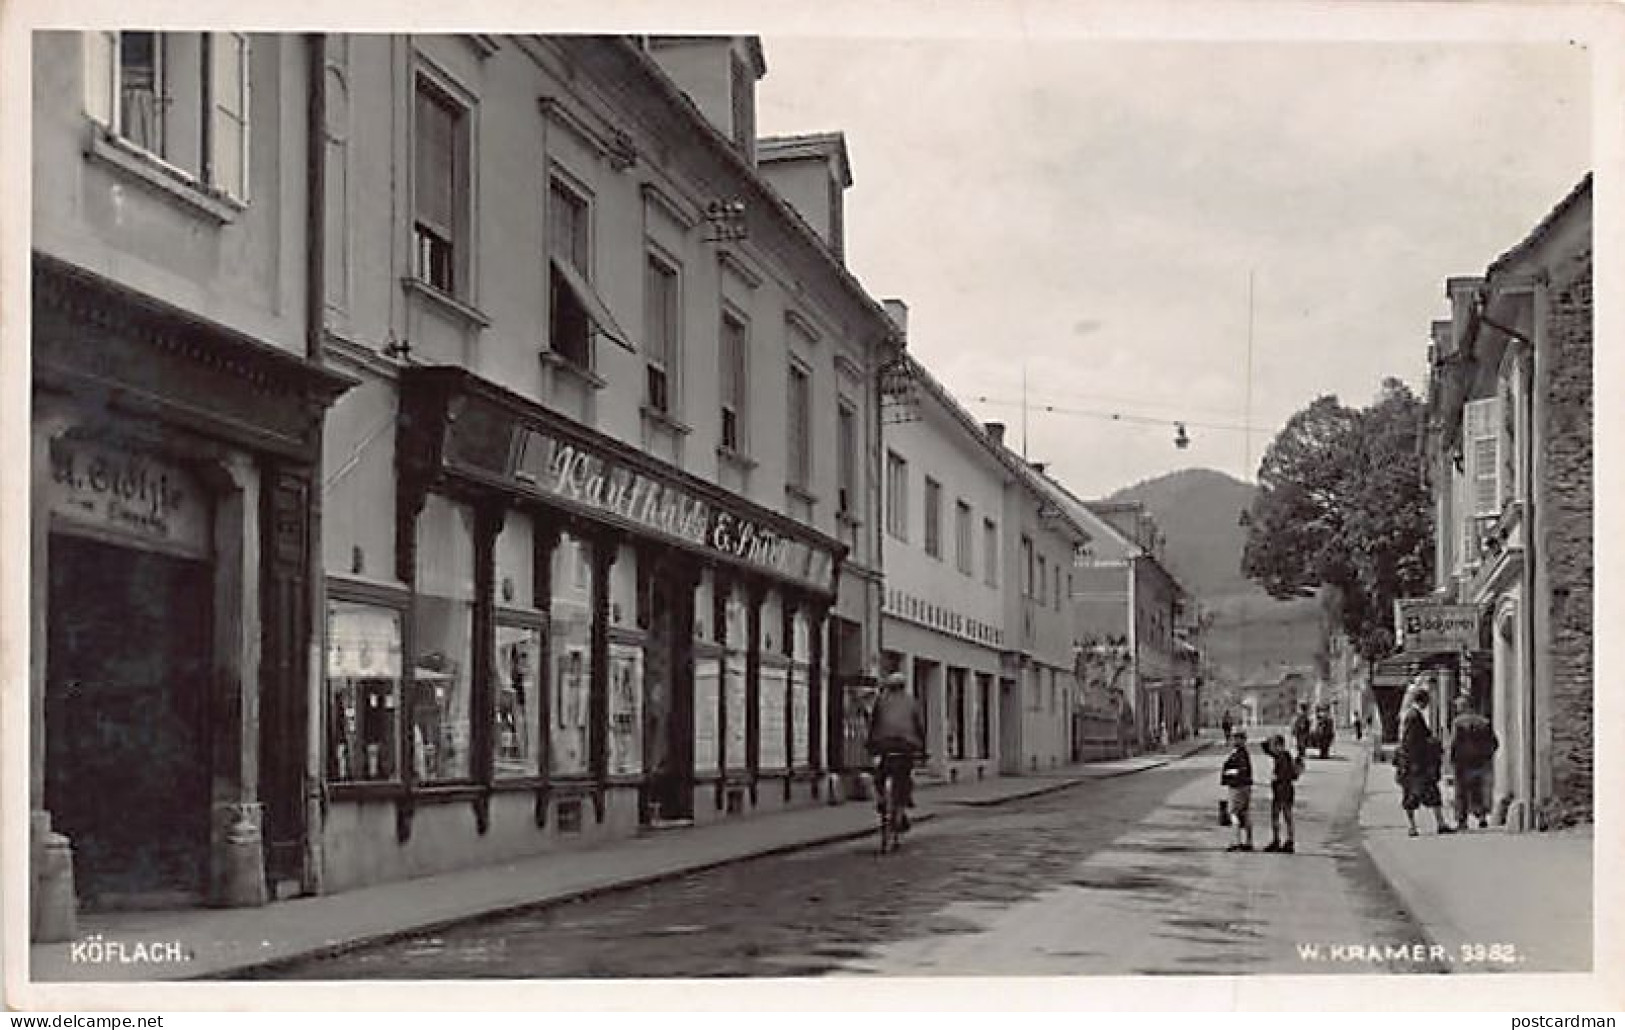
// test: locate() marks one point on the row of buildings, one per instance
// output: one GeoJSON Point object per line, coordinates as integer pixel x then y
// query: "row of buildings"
{"type": "Point", "coordinates": [452, 448]}
{"type": "Point", "coordinates": [1508, 628]}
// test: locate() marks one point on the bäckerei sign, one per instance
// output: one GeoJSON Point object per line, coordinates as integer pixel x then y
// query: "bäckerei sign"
{"type": "Point", "coordinates": [1427, 626]}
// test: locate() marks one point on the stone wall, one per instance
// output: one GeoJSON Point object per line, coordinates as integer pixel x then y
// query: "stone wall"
{"type": "Point", "coordinates": [1566, 542]}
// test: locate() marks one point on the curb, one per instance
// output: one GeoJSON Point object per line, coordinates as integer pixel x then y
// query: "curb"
{"type": "Point", "coordinates": [565, 897]}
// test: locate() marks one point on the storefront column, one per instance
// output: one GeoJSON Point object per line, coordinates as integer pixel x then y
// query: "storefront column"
{"type": "Point", "coordinates": [755, 594]}
{"type": "Point", "coordinates": [605, 549]}
{"type": "Point", "coordinates": [544, 542]}
{"type": "Point", "coordinates": [52, 902]}
{"type": "Point", "coordinates": [817, 617]}
{"type": "Point", "coordinates": [489, 515]}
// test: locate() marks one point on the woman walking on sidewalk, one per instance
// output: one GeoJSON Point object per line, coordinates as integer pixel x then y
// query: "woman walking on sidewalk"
{"type": "Point", "coordinates": [1418, 763]}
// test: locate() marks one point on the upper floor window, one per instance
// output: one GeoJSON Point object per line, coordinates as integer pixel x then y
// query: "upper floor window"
{"type": "Point", "coordinates": [440, 190]}
{"type": "Point", "coordinates": [964, 542]}
{"type": "Point", "coordinates": [990, 552]}
{"type": "Point", "coordinates": [798, 419]}
{"type": "Point", "coordinates": [569, 225]}
{"type": "Point", "coordinates": [1027, 571]}
{"type": "Point", "coordinates": [1481, 440]}
{"type": "Point", "coordinates": [846, 457]}
{"type": "Point", "coordinates": [896, 495]}
{"type": "Point", "coordinates": [1043, 579]}
{"type": "Point", "coordinates": [733, 346]}
{"type": "Point", "coordinates": [933, 517]}
{"type": "Point", "coordinates": [660, 316]}
{"type": "Point", "coordinates": [180, 97]}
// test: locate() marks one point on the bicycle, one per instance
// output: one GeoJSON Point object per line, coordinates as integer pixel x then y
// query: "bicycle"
{"type": "Point", "coordinates": [893, 818]}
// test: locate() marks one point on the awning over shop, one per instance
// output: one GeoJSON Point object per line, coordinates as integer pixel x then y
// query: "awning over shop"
{"type": "Point", "coordinates": [594, 305]}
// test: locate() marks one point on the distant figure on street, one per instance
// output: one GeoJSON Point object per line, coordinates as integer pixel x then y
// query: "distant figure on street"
{"type": "Point", "coordinates": [1418, 762]}
{"type": "Point", "coordinates": [1283, 775]}
{"type": "Point", "coordinates": [1300, 730]}
{"type": "Point", "coordinates": [897, 735]}
{"type": "Point", "coordinates": [1324, 731]}
{"type": "Point", "coordinates": [1227, 724]}
{"type": "Point", "coordinates": [1472, 748]}
{"type": "Point", "coordinates": [1237, 778]}
{"type": "Point", "coordinates": [1359, 727]}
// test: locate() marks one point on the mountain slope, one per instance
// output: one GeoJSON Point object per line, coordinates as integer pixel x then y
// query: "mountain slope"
{"type": "Point", "coordinates": [1253, 636]}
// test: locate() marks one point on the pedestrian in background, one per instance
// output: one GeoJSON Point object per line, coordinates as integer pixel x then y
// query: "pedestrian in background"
{"type": "Point", "coordinates": [1473, 744]}
{"type": "Point", "coordinates": [1237, 778]}
{"type": "Point", "coordinates": [1284, 774]}
{"type": "Point", "coordinates": [1418, 763]}
{"type": "Point", "coordinates": [1226, 724]}
{"type": "Point", "coordinates": [1300, 730]}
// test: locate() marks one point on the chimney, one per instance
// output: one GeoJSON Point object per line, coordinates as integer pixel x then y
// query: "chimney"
{"type": "Point", "coordinates": [1461, 290]}
{"type": "Point", "coordinates": [719, 74]}
{"type": "Point", "coordinates": [897, 311]}
{"type": "Point", "coordinates": [812, 174]}
{"type": "Point", "coordinates": [995, 432]}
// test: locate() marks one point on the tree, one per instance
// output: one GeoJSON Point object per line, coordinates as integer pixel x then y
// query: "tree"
{"type": "Point", "coordinates": [1343, 510]}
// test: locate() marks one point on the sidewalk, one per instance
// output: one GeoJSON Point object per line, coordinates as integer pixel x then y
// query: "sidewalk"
{"type": "Point", "coordinates": [220, 943]}
{"type": "Point", "coordinates": [1485, 887]}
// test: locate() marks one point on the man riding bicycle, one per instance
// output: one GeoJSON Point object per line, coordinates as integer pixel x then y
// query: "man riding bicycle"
{"type": "Point", "coordinates": [896, 735]}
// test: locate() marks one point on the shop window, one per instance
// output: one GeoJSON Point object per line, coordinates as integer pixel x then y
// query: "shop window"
{"type": "Point", "coordinates": [956, 713]}
{"type": "Point", "coordinates": [625, 709]}
{"type": "Point", "coordinates": [517, 668]}
{"type": "Point", "coordinates": [442, 634]}
{"type": "Point", "coordinates": [180, 97]}
{"type": "Point", "coordinates": [571, 628]}
{"type": "Point", "coordinates": [363, 692]}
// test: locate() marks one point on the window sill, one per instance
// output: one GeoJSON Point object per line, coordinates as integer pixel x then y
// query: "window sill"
{"type": "Point", "coordinates": [564, 366]}
{"type": "Point", "coordinates": [464, 312]}
{"type": "Point", "coordinates": [665, 419]}
{"type": "Point", "coordinates": [738, 459]}
{"type": "Point", "coordinates": [800, 493]}
{"type": "Point", "coordinates": [153, 171]}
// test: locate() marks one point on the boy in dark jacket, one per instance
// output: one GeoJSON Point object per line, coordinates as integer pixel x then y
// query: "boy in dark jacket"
{"type": "Point", "coordinates": [1237, 778]}
{"type": "Point", "coordinates": [1283, 773]}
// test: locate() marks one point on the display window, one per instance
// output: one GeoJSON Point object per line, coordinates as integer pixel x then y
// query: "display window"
{"type": "Point", "coordinates": [801, 714]}
{"type": "Point", "coordinates": [518, 642]}
{"type": "Point", "coordinates": [363, 692]}
{"type": "Point", "coordinates": [734, 677]}
{"type": "Point", "coordinates": [442, 629]}
{"type": "Point", "coordinates": [570, 625]}
{"type": "Point", "coordinates": [517, 668]}
{"type": "Point", "coordinates": [625, 709]}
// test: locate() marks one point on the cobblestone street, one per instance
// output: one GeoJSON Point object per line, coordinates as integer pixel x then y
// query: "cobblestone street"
{"type": "Point", "coordinates": [1115, 876]}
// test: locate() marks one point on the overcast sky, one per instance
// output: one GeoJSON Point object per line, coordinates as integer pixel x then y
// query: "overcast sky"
{"type": "Point", "coordinates": [1091, 210]}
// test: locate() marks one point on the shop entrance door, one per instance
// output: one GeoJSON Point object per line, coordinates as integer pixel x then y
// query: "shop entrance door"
{"type": "Point", "coordinates": [126, 741]}
{"type": "Point", "coordinates": [668, 711]}
{"type": "Point", "coordinates": [1009, 727]}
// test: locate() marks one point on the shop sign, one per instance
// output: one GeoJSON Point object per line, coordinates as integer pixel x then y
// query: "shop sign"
{"type": "Point", "coordinates": [561, 470]}
{"type": "Point", "coordinates": [1424, 626]}
{"type": "Point", "coordinates": [127, 493]}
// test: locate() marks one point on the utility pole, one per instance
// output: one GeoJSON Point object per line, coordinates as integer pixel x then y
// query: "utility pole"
{"type": "Point", "coordinates": [1247, 432]}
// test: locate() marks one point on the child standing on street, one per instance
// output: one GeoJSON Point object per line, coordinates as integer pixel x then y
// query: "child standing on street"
{"type": "Point", "coordinates": [1237, 778]}
{"type": "Point", "coordinates": [1282, 793]}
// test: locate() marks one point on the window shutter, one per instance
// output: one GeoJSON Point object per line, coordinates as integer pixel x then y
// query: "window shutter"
{"type": "Point", "coordinates": [436, 164]}
{"type": "Point", "coordinates": [101, 53]}
{"type": "Point", "coordinates": [228, 117]}
{"type": "Point", "coordinates": [1481, 437]}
